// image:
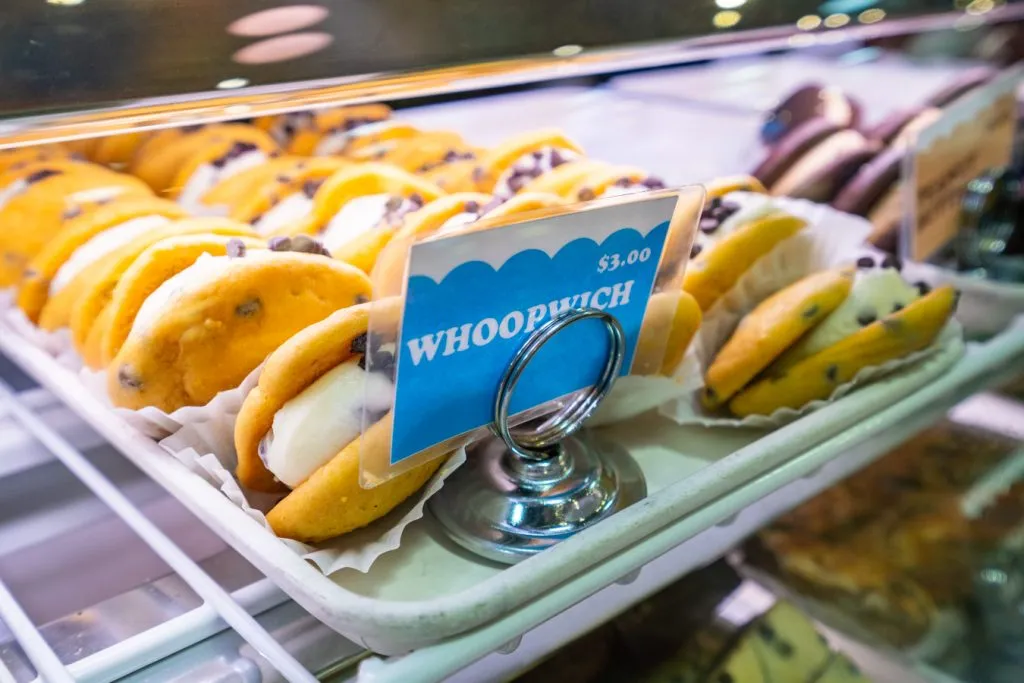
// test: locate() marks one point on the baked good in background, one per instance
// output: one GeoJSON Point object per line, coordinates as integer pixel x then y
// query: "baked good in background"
{"type": "Point", "coordinates": [808, 102]}
{"type": "Point", "coordinates": [207, 327]}
{"type": "Point", "coordinates": [708, 627]}
{"type": "Point", "coordinates": [891, 546]}
{"type": "Point", "coordinates": [299, 429]}
{"type": "Point", "coordinates": [507, 168]}
{"type": "Point", "coordinates": [357, 210]}
{"type": "Point", "coordinates": [45, 195]}
{"type": "Point", "coordinates": [301, 133]}
{"type": "Point", "coordinates": [86, 239]}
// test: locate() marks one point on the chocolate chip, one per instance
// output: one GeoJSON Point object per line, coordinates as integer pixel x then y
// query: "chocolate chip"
{"type": "Point", "coordinates": [714, 203]}
{"type": "Point", "coordinates": [812, 311]}
{"type": "Point", "coordinates": [416, 199]}
{"type": "Point", "coordinates": [709, 393]}
{"type": "Point", "coordinates": [623, 182]}
{"type": "Point", "coordinates": [865, 262]}
{"type": "Point", "coordinates": [280, 244]}
{"type": "Point", "coordinates": [384, 363]}
{"type": "Point", "coordinates": [695, 250]}
{"type": "Point", "coordinates": [557, 158]}
{"type": "Point", "coordinates": [73, 212]}
{"type": "Point", "coordinates": [586, 194]}
{"type": "Point", "coordinates": [360, 299]}
{"type": "Point", "coordinates": [922, 288]}
{"type": "Point", "coordinates": [394, 203]}
{"type": "Point", "coordinates": [41, 174]}
{"type": "Point", "coordinates": [653, 183]}
{"type": "Point", "coordinates": [832, 373]}
{"type": "Point", "coordinates": [708, 225]}
{"type": "Point", "coordinates": [358, 344]}
{"type": "Point", "coordinates": [362, 362]}
{"type": "Point", "coordinates": [866, 318]}
{"type": "Point", "coordinates": [236, 248]}
{"type": "Point", "coordinates": [236, 150]}
{"type": "Point", "coordinates": [891, 261]}
{"type": "Point", "coordinates": [127, 379]}
{"type": "Point", "coordinates": [784, 649]}
{"type": "Point", "coordinates": [479, 174]}
{"type": "Point", "coordinates": [310, 187]}
{"type": "Point", "coordinates": [766, 631]}
{"type": "Point", "coordinates": [891, 325]}
{"type": "Point", "coordinates": [282, 179]}
{"type": "Point", "coordinates": [897, 307]}
{"type": "Point", "coordinates": [247, 309]}
{"type": "Point", "coordinates": [471, 206]}
{"type": "Point", "coordinates": [304, 244]}
{"type": "Point", "coordinates": [516, 182]}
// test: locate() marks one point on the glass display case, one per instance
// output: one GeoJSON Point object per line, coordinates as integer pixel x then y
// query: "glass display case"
{"type": "Point", "coordinates": [867, 530]}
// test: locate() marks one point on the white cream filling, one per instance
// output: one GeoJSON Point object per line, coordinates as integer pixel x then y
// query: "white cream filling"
{"type": "Point", "coordinates": [290, 209]}
{"type": "Point", "coordinates": [356, 217]}
{"type": "Point", "coordinates": [456, 223]}
{"type": "Point", "coordinates": [544, 163]}
{"type": "Point", "coordinates": [206, 270]}
{"type": "Point", "coordinates": [335, 143]}
{"type": "Point", "coordinates": [101, 245]}
{"type": "Point", "coordinates": [12, 191]}
{"type": "Point", "coordinates": [208, 175]}
{"type": "Point", "coordinates": [96, 194]}
{"type": "Point", "coordinates": [875, 294]}
{"type": "Point", "coordinates": [314, 426]}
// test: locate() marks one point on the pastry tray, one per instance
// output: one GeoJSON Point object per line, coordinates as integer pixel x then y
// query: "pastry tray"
{"type": "Point", "coordinates": [428, 589]}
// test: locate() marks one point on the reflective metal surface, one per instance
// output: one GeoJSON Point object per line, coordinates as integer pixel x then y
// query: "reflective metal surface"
{"type": "Point", "coordinates": [519, 494]}
{"type": "Point", "coordinates": [170, 79]}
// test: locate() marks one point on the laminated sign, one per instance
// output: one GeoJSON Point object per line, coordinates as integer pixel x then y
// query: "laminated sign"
{"type": "Point", "coordinates": [973, 135]}
{"type": "Point", "coordinates": [473, 299]}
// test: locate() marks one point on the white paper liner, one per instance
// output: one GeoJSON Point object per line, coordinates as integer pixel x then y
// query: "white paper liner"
{"type": "Point", "coordinates": [57, 344]}
{"type": "Point", "coordinates": [355, 550]}
{"type": "Point", "coordinates": [986, 307]}
{"type": "Point", "coordinates": [218, 415]}
{"type": "Point", "coordinates": [833, 239]}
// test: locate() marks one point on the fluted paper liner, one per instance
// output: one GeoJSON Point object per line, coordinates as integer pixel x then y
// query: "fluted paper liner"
{"type": "Point", "coordinates": [831, 239]}
{"type": "Point", "coordinates": [355, 550]}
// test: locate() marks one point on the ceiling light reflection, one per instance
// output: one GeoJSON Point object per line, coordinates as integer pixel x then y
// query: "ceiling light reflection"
{"type": "Point", "coordinates": [730, 4]}
{"type": "Point", "coordinates": [871, 16]}
{"type": "Point", "coordinates": [837, 20]}
{"type": "Point", "coordinates": [808, 23]}
{"type": "Point", "coordinates": [726, 19]}
{"type": "Point", "coordinates": [231, 83]}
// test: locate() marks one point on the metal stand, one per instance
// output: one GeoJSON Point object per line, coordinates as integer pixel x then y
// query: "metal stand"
{"type": "Point", "coordinates": [530, 488]}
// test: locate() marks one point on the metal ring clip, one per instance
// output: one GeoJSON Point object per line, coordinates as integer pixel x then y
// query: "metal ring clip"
{"type": "Point", "coordinates": [567, 421]}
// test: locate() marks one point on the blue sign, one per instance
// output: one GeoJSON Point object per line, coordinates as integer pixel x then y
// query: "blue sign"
{"type": "Point", "coordinates": [473, 300]}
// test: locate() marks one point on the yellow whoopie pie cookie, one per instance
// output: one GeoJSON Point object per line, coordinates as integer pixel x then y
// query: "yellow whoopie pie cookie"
{"type": "Point", "coordinates": [498, 171]}
{"type": "Point", "coordinates": [300, 132]}
{"type": "Point", "coordinates": [389, 269]}
{"type": "Point", "coordinates": [305, 177]}
{"type": "Point", "coordinates": [329, 501]}
{"type": "Point", "coordinates": [740, 183]}
{"type": "Point", "coordinates": [79, 232]}
{"type": "Point", "coordinates": [717, 269]}
{"type": "Point", "coordinates": [670, 323]}
{"type": "Point", "coordinates": [157, 264]}
{"type": "Point", "coordinates": [117, 150]}
{"type": "Point", "coordinates": [22, 156]}
{"type": "Point", "coordinates": [426, 147]}
{"type": "Point", "coordinates": [771, 328]}
{"type": "Point", "coordinates": [157, 159]}
{"type": "Point", "coordinates": [594, 185]}
{"type": "Point", "coordinates": [82, 300]}
{"type": "Point", "coordinates": [238, 188]}
{"type": "Point", "coordinates": [31, 219]}
{"type": "Point", "coordinates": [564, 179]}
{"type": "Point", "coordinates": [204, 330]}
{"type": "Point", "coordinates": [459, 175]}
{"type": "Point", "coordinates": [896, 335]}
{"type": "Point", "coordinates": [216, 156]}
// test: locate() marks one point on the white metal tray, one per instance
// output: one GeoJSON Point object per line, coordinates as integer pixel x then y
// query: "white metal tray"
{"type": "Point", "coordinates": [429, 590]}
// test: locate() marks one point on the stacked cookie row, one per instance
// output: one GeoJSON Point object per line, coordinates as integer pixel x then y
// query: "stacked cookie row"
{"type": "Point", "coordinates": [818, 149]}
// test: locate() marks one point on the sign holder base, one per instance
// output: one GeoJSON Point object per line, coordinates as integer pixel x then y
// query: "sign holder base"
{"type": "Point", "coordinates": [521, 492]}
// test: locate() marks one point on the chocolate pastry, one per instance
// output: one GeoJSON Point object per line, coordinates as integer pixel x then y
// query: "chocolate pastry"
{"type": "Point", "coordinates": [808, 103]}
{"type": "Point", "coordinates": [790, 148]}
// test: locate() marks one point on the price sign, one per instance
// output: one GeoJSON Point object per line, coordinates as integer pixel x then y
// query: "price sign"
{"type": "Point", "coordinates": [973, 135]}
{"type": "Point", "coordinates": [473, 299]}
